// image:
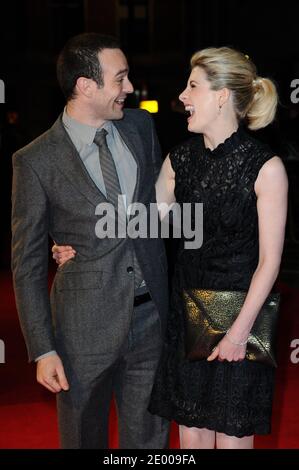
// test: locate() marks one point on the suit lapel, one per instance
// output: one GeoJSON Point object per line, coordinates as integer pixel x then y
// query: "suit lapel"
{"type": "Point", "coordinates": [69, 163]}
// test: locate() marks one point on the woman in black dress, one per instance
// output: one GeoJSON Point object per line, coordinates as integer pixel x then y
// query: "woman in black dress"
{"type": "Point", "coordinates": [224, 400]}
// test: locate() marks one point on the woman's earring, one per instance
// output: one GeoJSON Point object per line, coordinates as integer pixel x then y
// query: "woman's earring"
{"type": "Point", "coordinates": [219, 109]}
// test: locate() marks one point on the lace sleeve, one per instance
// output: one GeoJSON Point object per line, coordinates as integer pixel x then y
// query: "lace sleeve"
{"type": "Point", "coordinates": [180, 158]}
{"type": "Point", "coordinates": [262, 153]}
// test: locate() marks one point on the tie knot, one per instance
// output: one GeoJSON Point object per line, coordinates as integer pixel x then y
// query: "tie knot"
{"type": "Point", "coordinates": [100, 138]}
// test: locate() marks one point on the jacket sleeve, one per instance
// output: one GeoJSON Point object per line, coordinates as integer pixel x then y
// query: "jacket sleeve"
{"type": "Point", "coordinates": [30, 223]}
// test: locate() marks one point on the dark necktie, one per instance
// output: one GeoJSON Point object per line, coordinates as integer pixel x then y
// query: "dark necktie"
{"type": "Point", "coordinates": [108, 168]}
{"type": "Point", "coordinates": [113, 189]}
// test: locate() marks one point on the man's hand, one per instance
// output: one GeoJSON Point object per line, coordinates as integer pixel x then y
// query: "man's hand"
{"type": "Point", "coordinates": [50, 374]}
{"type": "Point", "coordinates": [63, 253]}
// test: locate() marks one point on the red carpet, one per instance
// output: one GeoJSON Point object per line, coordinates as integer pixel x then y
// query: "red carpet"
{"type": "Point", "coordinates": [27, 411]}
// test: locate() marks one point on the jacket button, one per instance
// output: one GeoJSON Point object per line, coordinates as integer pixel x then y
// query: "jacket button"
{"type": "Point", "coordinates": [130, 270]}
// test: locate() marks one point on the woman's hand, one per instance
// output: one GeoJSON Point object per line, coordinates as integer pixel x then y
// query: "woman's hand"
{"type": "Point", "coordinates": [227, 351]}
{"type": "Point", "coordinates": [63, 253]}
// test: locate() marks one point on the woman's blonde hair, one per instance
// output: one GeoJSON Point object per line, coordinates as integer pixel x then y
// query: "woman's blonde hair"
{"type": "Point", "coordinates": [255, 98]}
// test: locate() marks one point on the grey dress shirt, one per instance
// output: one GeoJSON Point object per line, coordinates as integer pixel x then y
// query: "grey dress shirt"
{"type": "Point", "coordinates": [82, 137]}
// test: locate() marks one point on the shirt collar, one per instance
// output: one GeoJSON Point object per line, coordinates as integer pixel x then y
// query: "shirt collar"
{"type": "Point", "coordinates": [84, 132]}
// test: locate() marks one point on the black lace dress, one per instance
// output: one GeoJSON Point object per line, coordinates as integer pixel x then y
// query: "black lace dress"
{"type": "Point", "coordinates": [233, 398]}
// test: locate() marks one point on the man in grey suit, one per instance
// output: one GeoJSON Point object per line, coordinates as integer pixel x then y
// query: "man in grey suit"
{"type": "Point", "coordinates": [100, 332]}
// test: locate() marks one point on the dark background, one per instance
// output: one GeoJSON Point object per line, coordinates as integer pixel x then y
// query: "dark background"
{"type": "Point", "coordinates": [158, 36]}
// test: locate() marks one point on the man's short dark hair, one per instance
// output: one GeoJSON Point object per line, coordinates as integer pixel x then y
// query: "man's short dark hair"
{"type": "Point", "coordinates": [79, 58]}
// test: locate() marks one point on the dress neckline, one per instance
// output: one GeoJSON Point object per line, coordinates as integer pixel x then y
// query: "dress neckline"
{"type": "Point", "coordinates": [227, 147]}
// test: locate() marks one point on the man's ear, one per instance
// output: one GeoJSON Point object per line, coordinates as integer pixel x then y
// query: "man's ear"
{"type": "Point", "coordinates": [85, 86]}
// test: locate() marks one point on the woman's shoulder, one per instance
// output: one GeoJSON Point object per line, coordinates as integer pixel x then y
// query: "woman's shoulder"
{"type": "Point", "coordinates": [187, 145]}
{"type": "Point", "coordinates": [182, 153]}
{"type": "Point", "coordinates": [257, 153]}
{"type": "Point", "coordinates": [258, 147]}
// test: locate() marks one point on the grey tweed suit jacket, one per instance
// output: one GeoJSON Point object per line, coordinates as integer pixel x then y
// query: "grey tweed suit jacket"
{"type": "Point", "coordinates": [91, 302]}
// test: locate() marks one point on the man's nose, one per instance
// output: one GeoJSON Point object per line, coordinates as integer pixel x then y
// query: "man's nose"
{"type": "Point", "coordinates": [129, 87]}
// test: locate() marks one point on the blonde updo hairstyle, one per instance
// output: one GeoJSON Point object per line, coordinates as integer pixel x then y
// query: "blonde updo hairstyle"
{"type": "Point", "coordinates": [254, 98]}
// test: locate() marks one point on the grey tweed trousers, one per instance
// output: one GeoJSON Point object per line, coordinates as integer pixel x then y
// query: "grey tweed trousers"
{"type": "Point", "coordinates": [83, 411]}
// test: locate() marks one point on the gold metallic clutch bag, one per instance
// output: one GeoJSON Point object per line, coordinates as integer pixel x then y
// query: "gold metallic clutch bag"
{"type": "Point", "coordinates": [210, 313]}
